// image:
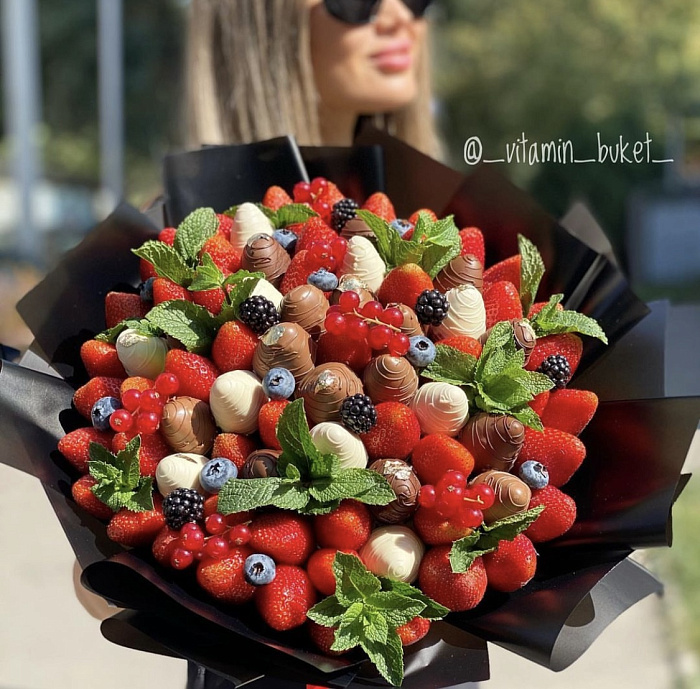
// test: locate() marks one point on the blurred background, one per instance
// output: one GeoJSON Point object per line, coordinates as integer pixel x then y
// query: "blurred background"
{"type": "Point", "coordinates": [91, 99]}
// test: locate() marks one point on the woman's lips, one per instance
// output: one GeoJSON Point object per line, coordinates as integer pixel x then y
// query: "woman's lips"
{"type": "Point", "coordinates": [395, 58]}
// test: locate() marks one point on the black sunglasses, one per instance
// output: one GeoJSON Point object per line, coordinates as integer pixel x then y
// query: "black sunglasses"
{"type": "Point", "coordinates": [363, 11]}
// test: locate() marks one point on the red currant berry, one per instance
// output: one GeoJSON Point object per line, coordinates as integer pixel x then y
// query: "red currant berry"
{"type": "Point", "coordinates": [349, 301]}
{"type": "Point", "coordinates": [331, 264]}
{"type": "Point", "coordinates": [449, 501]}
{"type": "Point", "coordinates": [336, 324]}
{"type": "Point", "coordinates": [379, 337]}
{"type": "Point", "coordinates": [333, 309]}
{"type": "Point", "coordinates": [468, 517]}
{"type": "Point", "coordinates": [452, 478]}
{"type": "Point", "coordinates": [302, 192]}
{"type": "Point", "coordinates": [318, 185]}
{"type": "Point", "coordinates": [147, 422]}
{"type": "Point", "coordinates": [151, 401]}
{"type": "Point", "coordinates": [484, 494]}
{"type": "Point", "coordinates": [121, 420]}
{"type": "Point", "coordinates": [372, 309]}
{"type": "Point", "coordinates": [427, 496]}
{"type": "Point", "coordinates": [181, 558]}
{"type": "Point", "coordinates": [339, 247]}
{"type": "Point", "coordinates": [192, 540]}
{"type": "Point", "coordinates": [358, 331]}
{"type": "Point", "coordinates": [399, 344]}
{"type": "Point", "coordinates": [131, 399]}
{"type": "Point", "coordinates": [392, 316]}
{"type": "Point", "coordinates": [216, 548]}
{"type": "Point", "coordinates": [323, 209]}
{"type": "Point", "coordinates": [320, 251]}
{"type": "Point", "coordinates": [167, 384]}
{"type": "Point", "coordinates": [190, 527]}
{"type": "Point", "coordinates": [239, 535]}
{"type": "Point", "coordinates": [215, 524]}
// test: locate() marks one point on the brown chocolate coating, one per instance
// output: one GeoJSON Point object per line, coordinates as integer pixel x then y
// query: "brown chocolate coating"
{"type": "Point", "coordinates": [356, 227]}
{"type": "Point", "coordinates": [261, 464]}
{"type": "Point", "coordinates": [307, 306]}
{"type": "Point", "coordinates": [523, 333]}
{"type": "Point", "coordinates": [411, 325]}
{"type": "Point", "coordinates": [355, 284]}
{"type": "Point", "coordinates": [188, 425]}
{"type": "Point", "coordinates": [512, 494]}
{"type": "Point", "coordinates": [286, 345]}
{"type": "Point", "coordinates": [404, 483]}
{"type": "Point", "coordinates": [495, 440]}
{"type": "Point", "coordinates": [461, 270]}
{"type": "Point", "coordinates": [266, 254]}
{"type": "Point", "coordinates": [324, 389]}
{"type": "Point", "coordinates": [390, 379]}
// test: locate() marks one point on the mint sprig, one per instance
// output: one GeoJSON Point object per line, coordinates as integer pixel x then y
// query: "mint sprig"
{"type": "Point", "coordinates": [289, 214]}
{"type": "Point", "coordinates": [166, 260]}
{"type": "Point", "coordinates": [553, 321]}
{"type": "Point", "coordinates": [141, 326]}
{"type": "Point", "coordinates": [486, 538]}
{"type": "Point", "coordinates": [188, 323]}
{"type": "Point", "coordinates": [531, 272]}
{"type": "Point", "coordinates": [119, 480]}
{"type": "Point", "coordinates": [309, 481]}
{"type": "Point", "coordinates": [366, 611]}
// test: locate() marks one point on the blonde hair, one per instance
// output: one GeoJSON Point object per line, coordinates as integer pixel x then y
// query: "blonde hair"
{"type": "Point", "coordinates": [250, 78]}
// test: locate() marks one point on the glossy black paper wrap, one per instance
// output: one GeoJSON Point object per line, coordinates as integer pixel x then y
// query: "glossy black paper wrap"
{"type": "Point", "coordinates": [625, 489]}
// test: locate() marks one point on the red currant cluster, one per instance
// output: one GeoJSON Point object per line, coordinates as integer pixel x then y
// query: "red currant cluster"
{"type": "Point", "coordinates": [328, 255]}
{"type": "Point", "coordinates": [142, 410]}
{"type": "Point", "coordinates": [371, 323]}
{"type": "Point", "coordinates": [315, 195]}
{"type": "Point", "coordinates": [453, 499]}
{"type": "Point", "coordinates": [194, 544]}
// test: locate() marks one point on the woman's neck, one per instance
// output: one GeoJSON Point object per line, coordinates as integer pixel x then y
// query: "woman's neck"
{"type": "Point", "coordinates": [337, 126]}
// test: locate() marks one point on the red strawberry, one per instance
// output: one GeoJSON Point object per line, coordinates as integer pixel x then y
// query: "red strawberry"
{"type": "Point", "coordinates": [224, 579]}
{"type": "Point", "coordinates": [135, 383]}
{"type": "Point", "coordinates": [560, 452]}
{"type": "Point", "coordinates": [320, 569]}
{"type": "Point", "coordinates": [146, 270]}
{"type": "Point", "coordinates": [436, 530]}
{"type": "Point", "coordinates": [413, 631]}
{"type": "Point", "coordinates": [566, 344]}
{"type": "Point", "coordinates": [315, 230]}
{"type": "Point", "coordinates": [539, 403]}
{"type": "Point", "coordinates": [234, 347]}
{"type": "Point", "coordinates": [225, 226]}
{"type": "Point", "coordinates": [323, 638]}
{"type": "Point", "coordinates": [347, 527]}
{"type": "Point", "coordinates": [234, 446]}
{"type": "Point", "coordinates": [502, 302]}
{"type": "Point", "coordinates": [379, 204]}
{"type": "Point", "coordinates": [164, 545]}
{"type": "Point", "coordinates": [473, 243]}
{"type": "Point", "coordinates": [211, 299]}
{"type": "Point", "coordinates": [222, 253]}
{"type": "Point", "coordinates": [167, 290]}
{"type": "Point", "coordinates": [96, 388]}
{"type": "Point", "coordinates": [83, 495]}
{"type": "Point", "coordinates": [436, 454]}
{"type": "Point", "coordinates": [558, 516]}
{"type": "Point", "coordinates": [275, 198]}
{"type": "Point", "coordinates": [137, 528]}
{"type": "Point", "coordinates": [511, 566]}
{"type": "Point", "coordinates": [395, 434]}
{"type": "Point", "coordinates": [413, 219]}
{"type": "Point", "coordinates": [195, 373]}
{"type": "Point", "coordinates": [100, 359]}
{"type": "Point", "coordinates": [153, 449]}
{"type": "Point", "coordinates": [284, 602]}
{"type": "Point", "coordinates": [119, 306]}
{"type": "Point", "coordinates": [268, 418]}
{"type": "Point", "coordinates": [507, 270]}
{"type": "Point", "coordinates": [538, 306]}
{"type": "Point", "coordinates": [355, 355]}
{"type": "Point", "coordinates": [75, 446]}
{"type": "Point", "coordinates": [570, 410]}
{"type": "Point", "coordinates": [298, 272]}
{"type": "Point", "coordinates": [286, 537]}
{"type": "Point", "coordinates": [167, 235]}
{"type": "Point", "coordinates": [331, 195]}
{"type": "Point", "coordinates": [404, 285]}
{"type": "Point", "coordinates": [464, 343]}
{"type": "Point", "coordinates": [455, 591]}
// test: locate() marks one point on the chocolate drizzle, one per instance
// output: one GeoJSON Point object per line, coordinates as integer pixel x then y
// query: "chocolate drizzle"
{"type": "Point", "coordinates": [495, 440]}
{"type": "Point", "coordinates": [523, 333]}
{"type": "Point", "coordinates": [390, 379]}
{"type": "Point", "coordinates": [461, 270]}
{"type": "Point", "coordinates": [411, 325]}
{"type": "Point", "coordinates": [286, 345]}
{"type": "Point", "coordinates": [261, 464]}
{"type": "Point", "coordinates": [352, 283]}
{"type": "Point", "coordinates": [307, 306]}
{"type": "Point", "coordinates": [512, 494]}
{"type": "Point", "coordinates": [324, 389]}
{"type": "Point", "coordinates": [187, 425]}
{"type": "Point", "coordinates": [405, 484]}
{"type": "Point", "coordinates": [356, 227]}
{"type": "Point", "coordinates": [265, 254]}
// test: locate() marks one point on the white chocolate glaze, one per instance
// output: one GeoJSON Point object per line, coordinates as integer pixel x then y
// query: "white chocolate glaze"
{"type": "Point", "coordinates": [248, 221]}
{"type": "Point", "coordinates": [141, 355]}
{"type": "Point", "coordinates": [466, 315]}
{"type": "Point", "coordinates": [361, 259]}
{"type": "Point", "coordinates": [394, 552]}
{"type": "Point", "coordinates": [180, 470]}
{"type": "Point", "coordinates": [441, 408]}
{"type": "Point", "coordinates": [235, 400]}
{"type": "Point", "coordinates": [329, 436]}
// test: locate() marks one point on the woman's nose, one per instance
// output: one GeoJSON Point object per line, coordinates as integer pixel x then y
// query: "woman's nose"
{"type": "Point", "coordinates": [392, 13]}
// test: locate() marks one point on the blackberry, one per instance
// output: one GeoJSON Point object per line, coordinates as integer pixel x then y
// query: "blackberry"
{"type": "Point", "coordinates": [431, 307]}
{"type": "Point", "coordinates": [556, 368]}
{"type": "Point", "coordinates": [343, 211]}
{"type": "Point", "coordinates": [258, 313]}
{"type": "Point", "coordinates": [357, 412]}
{"type": "Point", "coordinates": [181, 506]}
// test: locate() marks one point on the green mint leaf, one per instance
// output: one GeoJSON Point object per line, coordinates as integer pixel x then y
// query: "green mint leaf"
{"type": "Point", "coordinates": [443, 244]}
{"type": "Point", "coordinates": [110, 496]}
{"type": "Point", "coordinates": [291, 472]}
{"type": "Point", "coordinates": [376, 626]}
{"type": "Point", "coordinates": [188, 323]}
{"type": "Point", "coordinates": [500, 337]}
{"type": "Point", "coordinates": [193, 231]}
{"type": "Point", "coordinates": [535, 383]}
{"type": "Point", "coordinates": [451, 366]}
{"type": "Point", "coordinates": [327, 612]}
{"type": "Point", "coordinates": [291, 214]}
{"type": "Point", "coordinates": [353, 581]}
{"type": "Point", "coordinates": [316, 507]}
{"type": "Point", "coordinates": [239, 495]}
{"type": "Point", "coordinates": [295, 440]}
{"type": "Point", "coordinates": [323, 466]}
{"type": "Point", "coordinates": [531, 272]}
{"type": "Point", "coordinates": [409, 251]}
{"type": "Point", "coordinates": [387, 657]}
{"type": "Point", "coordinates": [99, 453]}
{"type": "Point", "coordinates": [351, 628]}
{"type": "Point", "coordinates": [397, 609]}
{"type": "Point", "coordinates": [102, 471]}
{"type": "Point", "coordinates": [142, 326]}
{"type": "Point", "coordinates": [547, 311]}
{"type": "Point", "coordinates": [291, 495]}
{"type": "Point", "coordinates": [207, 276]}
{"type": "Point", "coordinates": [167, 262]}
{"type": "Point", "coordinates": [387, 237]}
{"type": "Point", "coordinates": [528, 416]}
{"type": "Point", "coordinates": [552, 321]}
{"type": "Point", "coordinates": [142, 499]}
{"type": "Point", "coordinates": [361, 484]}
{"type": "Point", "coordinates": [243, 282]}
{"type": "Point", "coordinates": [432, 610]}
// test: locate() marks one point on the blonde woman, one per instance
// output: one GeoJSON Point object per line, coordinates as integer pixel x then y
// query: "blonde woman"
{"type": "Point", "coordinates": [258, 69]}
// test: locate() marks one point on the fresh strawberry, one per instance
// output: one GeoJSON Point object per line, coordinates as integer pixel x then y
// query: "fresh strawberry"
{"type": "Point", "coordinates": [225, 226]}
{"type": "Point", "coordinates": [284, 602]}
{"type": "Point", "coordinates": [347, 527]}
{"type": "Point", "coordinates": [473, 243]}
{"type": "Point", "coordinates": [235, 447]}
{"type": "Point", "coordinates": [119, 306]}
{"type": "Point", "coordinates": [83, 495]}
{"type": "Point", "coordinates": [224, 579]}
{"type": "Point", "coordinates": [465, 344]}
{"type": "Point", "coordinates": [195, 373]}
{"type": "Point", "coordinates": [436, 530]}
{"type": "Point", "coordinates": [96, 388]}
{"type": "Point", "coordinates": [153, 449]}
{"type": "Point", "coordinates": [298, 271]}
{"type": "Point", "coordinates": [404, 285]}
{"type": "Point", "coordinates": [507, 270]}
{"type": "Point", "coordinates": [355, 355]}
{"type": "Point", "coordinates": [320, 569]}
{"type": "Point", "coordinates": [570, 410]}
{"type": "Point", "coordinates": [315, 230]}
{"type": "Point", "coordinates": [379, 204]}
{"type": "Point", "coordinates": [455, 591]}
{"type": "Point", "coordinates": [211, 299]}
{"type": "Point", "coordinates": [167, 290]}
{"type": "Point", "coordinates": [331, 195]}
{"type": "Point", "coordinates": [511, 566]}
{"type": "Point", "coordinates": [539, 402]}
{"type": "Point", "coordinates": [164, 544]}
{"type": "Point", "coordinates": [558, 517]}
{"type": "Point", "coordinates": [502, 302]}
{"type": "Point", "coordinates": [395, 434]}
{"type": "Point", "coordinates": [137, 528]}
{"type": "Point", "coordinates": [413, 219]}
{"type": "Point", "coordinates": [167, 235]}
{"type": "Point", "coordinates": [538, 306]}
{"type": "Point", "coordinates": [560, 452]}
{"type": "Point", "coordinates": [268, 418]}
{"type": "Point", "coordinates": [323, 638]}
{"type": "Point", "coordinates": [234, 347]}
{"type": "Point", "coordinates": [222, 253]}
{"type": "Point", "coordinates": [100, 359]}
{"type": "Point", "coordinates": [436, 454]}
{"type": "Point", "coordinates": [211, 505]}
{"type": "Point", "coordinates": [135, 383]}
{"type": "Point", "coordinates": [413, 631]}
{"type": "Point", "coordinates": [275, 198]}
{"type": "Point", "coordinates": [146, 270]}
{"type": "Point", "coordinates": [75, 446]}
{"type": "Point", "coordinates": [566, 344]}
{"type": "Point", "coordinates": [286, 537]}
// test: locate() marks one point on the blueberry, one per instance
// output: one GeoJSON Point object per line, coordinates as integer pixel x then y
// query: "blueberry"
{"type": "Point", "coordinates": [102, 410]}
{"type": "Point", "coordinates": [401, 226]}
{"type": "Point", "coordinates": [286, 238]}
{"type": "Point", "coordinates": [421, 351]}
{"type": "Point", "coordinates": [534, 474]}
{"type": "Point", "coordinates": [146, 290]}
{"type": "Point", "coordinates": [259, 569]}
{"type": "Point", "coordinates": [324, 280]}
{"type": "Point", "coordinates": [278, 384]}
{"type": "Point", "coordinates": [216, 472]}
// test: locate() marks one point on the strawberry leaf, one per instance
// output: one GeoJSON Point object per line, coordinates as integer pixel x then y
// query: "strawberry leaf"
{"type": "Point", "coordinates": [168, 263]}
{"type": "Point", "coordinates": [531, 272]}
{"type": "Point", "coordinates": [193, 231]}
